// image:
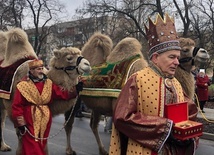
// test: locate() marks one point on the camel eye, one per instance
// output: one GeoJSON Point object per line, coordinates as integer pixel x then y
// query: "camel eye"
{"type": "Point", "coordinates": [69, 58]}
{"type": "Point", "coordinates": [184, 50]}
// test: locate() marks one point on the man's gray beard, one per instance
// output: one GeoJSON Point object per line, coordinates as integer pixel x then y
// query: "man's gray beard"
{"type": "Point", "coordinates": [41, 76]}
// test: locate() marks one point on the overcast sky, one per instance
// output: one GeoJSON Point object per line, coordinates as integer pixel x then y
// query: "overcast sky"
{"type": "Point", "coordinates": [71, 5]}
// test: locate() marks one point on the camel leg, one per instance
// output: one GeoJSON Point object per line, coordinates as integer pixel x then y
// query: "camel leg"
{"type": "Point", "coordinates": [4, 146]}
{"type": "Point", "coordinates": [68, 130]}
{"type": "Point", "coordinates": [95, 119]}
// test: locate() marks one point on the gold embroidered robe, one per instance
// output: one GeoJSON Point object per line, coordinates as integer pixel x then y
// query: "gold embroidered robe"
{"type": "Point", "coordinates": [139, 115]}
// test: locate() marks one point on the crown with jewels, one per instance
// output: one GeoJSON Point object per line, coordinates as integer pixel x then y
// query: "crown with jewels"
{"type": "Point", "coordinates": [35, 63]}
{"type": "Point", "coordinates": [162, 35]}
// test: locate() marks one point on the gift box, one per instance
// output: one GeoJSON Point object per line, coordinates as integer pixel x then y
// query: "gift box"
{"type": "Point", "coordinates": [183, 128]}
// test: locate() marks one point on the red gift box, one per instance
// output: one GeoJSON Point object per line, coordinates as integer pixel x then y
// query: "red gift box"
{"type": "Point", "coordinates": [183, 128]}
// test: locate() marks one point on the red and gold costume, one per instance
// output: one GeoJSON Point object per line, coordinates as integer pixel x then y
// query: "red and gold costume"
{"type": "Point", "coordinates": [30, 108]}
{"type": "Point", "coordinates": [140, 126]}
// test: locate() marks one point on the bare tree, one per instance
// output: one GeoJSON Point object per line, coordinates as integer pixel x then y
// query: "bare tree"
{"type": "Point", "coordinates": [183, 12]}
{"type": "Point", "coordinates": [205, 9]}
{"type": "Point", "coordinates": [132, 13]}
{"type": "Point", "coordinates": [11, 13]}
{"type": "Point", "coordinates": [43, 13]}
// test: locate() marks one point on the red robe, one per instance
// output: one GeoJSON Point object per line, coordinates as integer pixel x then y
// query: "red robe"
{"type": "Point", "coordinates": [22, 108]}
{"type": "Point", "coordinates": [202, 84]}
{"type": "Point", "coordinates": [140, 125]}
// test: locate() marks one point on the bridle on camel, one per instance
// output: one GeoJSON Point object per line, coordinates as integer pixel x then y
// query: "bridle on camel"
{"type": "Point", "coordinates": [70, 68]}
{"type": "Point", "coordinates": [187, 59]}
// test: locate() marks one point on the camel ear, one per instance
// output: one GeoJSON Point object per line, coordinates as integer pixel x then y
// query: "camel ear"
{"type": "Point", "coordinates": [57, 53]}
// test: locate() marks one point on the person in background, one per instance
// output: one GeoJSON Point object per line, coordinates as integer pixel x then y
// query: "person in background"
{"type": "Point", "coordinates": [202, 83]}
{"type": "Point", "coordinates": [108, 124]}
{"type": "Point", "coordinates": [139, 123]}
{"type": "Point", "coordinates": [30, 107]}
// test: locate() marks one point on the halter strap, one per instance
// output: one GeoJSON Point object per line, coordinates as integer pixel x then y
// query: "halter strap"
{"type": "Point", "coordinates": [69, 68]}
{"type": "Point", "coordinates": [187, 59]}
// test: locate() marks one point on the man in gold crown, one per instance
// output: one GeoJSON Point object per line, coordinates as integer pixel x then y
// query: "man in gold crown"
{"type": "Point", "coordinates": [139, 123]}
{"type": "Point", "coordinates": [30, 108]}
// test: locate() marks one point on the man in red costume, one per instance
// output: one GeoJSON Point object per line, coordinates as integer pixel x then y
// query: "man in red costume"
{"type": "Point", "coordinates": [30, 108]}
{"type": "Point", "coordinates": [140, 126]}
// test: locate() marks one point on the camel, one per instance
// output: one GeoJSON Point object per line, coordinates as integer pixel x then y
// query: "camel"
{"type": "Point", "coordinates": [190, 58]}
{"type": "Point", "coordinates": [70, 65]}
{"type": "Point", "coordinates": [104, 105]}
{"type": "Point", "coordinates": [16, 37]}
{"type": "Point", "coordinates": [3, 145]}
{"type": "Point", "coordinates": [125, 49]}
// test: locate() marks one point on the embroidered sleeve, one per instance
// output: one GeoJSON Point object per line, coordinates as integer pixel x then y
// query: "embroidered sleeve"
{"type": "Point", "coordinates": [148, 130]}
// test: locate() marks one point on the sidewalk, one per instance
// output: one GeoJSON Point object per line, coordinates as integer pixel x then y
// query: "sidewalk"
{"type": "Point", "coordinates": [209, 115]}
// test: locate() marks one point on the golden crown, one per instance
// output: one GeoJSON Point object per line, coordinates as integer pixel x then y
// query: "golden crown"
{"type": "Point", "coordinates": [162, 35]}
{"type": "Point", "coordinates": [35, 63]}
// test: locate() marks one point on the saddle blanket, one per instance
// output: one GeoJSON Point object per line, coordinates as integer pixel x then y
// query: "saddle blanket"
{"type": "Point", "coordinates": [7, 75]}
{"type": "Point", "coordinates": [107, 79]}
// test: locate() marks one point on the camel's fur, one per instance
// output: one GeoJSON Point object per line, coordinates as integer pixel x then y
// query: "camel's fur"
{"type": "Point", "coordinates": [124, 49]}
{"type": "Point", "coordinates": [18, 47]}
{"type": "Point", "coordinates": [100, 106]}
{"type": "Point", "coordinates": [99, 45]}
{"type": "Point", "coordinates": [183, 72]}
{"type": "Point", "coordinates": [103, 106]}
{"type": "Point", "coordinates": [62, 58]}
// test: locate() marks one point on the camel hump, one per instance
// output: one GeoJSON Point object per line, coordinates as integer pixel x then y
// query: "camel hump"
{"type": "Point", "coordinates": [17, 35]}
{"type": "Point", "coordinates": [186, 42]}
{"type": "Point", "coordinates": [128, 44]}
{"type": "Point", "coordinates": [99, 40]}
{"type": "Point", "coordinates": [97, 48]}
{"type": "Point", "coordinates": [127, 47]}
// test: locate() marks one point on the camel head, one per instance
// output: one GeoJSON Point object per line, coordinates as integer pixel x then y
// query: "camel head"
{"type": "Point", "coordinates": [97, 48]}
{"type": "Point", "coordinates": [190, 55]}
{"type": "Point", "coordinates": [66, 66]}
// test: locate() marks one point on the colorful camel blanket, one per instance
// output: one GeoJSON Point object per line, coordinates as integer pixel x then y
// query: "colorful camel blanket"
{"type": "Point", "coordinates": [7, 75]}
{"type": "Point", "coordinates": [106, 80]}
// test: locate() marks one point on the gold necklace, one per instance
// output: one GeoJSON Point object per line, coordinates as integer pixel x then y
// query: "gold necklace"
{"type": "Point", "coordinates": [168, 83]}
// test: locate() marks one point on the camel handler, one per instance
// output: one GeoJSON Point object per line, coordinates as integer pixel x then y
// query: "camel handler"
{"type": "Point", "coordinates": [30, 107]}
{"type": "Point", "coordinates": [139, 123]}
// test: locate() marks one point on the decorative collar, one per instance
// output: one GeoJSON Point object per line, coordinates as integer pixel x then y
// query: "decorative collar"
{"type": "Point", "coordinates": [158, 71]}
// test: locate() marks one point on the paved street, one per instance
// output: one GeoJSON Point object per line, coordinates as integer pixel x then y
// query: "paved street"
{"type": "Point", "coordinates": [83, 141]}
